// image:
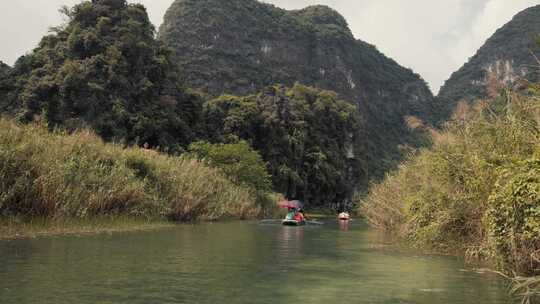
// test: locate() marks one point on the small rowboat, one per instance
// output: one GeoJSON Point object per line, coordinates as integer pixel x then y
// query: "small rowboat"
{"type": "Point", "coordinates": [344, 216]}
{"type": "Point", "coordinates": [293, 223]}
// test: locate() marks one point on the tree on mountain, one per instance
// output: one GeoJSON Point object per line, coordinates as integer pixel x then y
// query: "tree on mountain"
{"type": "Point", "coordinates": [306, 136]}
{"type": "Point", "coordinates": [105, 69]}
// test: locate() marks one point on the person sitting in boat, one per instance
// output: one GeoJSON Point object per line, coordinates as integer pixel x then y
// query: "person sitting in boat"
{"type": "Point", "coordinates": [304, 216]}
{"type": "Point", "coordinates": [299, 216]}
{"type": "Point", "coordinates": [291, 214]}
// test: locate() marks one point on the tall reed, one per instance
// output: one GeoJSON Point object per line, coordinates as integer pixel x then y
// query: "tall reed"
{"type": "Point", "coordinates": [57, 175]}
{"type": "Point", "coordinates": [476, 190]}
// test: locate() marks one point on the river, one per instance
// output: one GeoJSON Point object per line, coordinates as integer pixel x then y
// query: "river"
{"type": "Point", "coordinates": [236, 262]}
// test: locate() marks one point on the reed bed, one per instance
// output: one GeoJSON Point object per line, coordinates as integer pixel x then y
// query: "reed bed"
{"type": "Point", "coordinates": [56, 175]}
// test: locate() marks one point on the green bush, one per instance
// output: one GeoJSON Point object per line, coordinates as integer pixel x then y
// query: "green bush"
{"type": "Point", "coordinates": [243, 165]}
{"type": "Point", "coordinates": [306, 135]}
{"type": "Point", "coordinates": [238, 161]}
{"type": "Point", "coordinates": [513, 217]}
{"type": "Point", "coordinates": [104, 69]}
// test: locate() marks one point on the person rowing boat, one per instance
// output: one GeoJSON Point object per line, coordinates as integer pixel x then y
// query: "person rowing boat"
{"type": "Point", "coordinates": [295, 216]}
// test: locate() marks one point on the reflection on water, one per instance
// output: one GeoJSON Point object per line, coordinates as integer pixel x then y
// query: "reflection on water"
{"type": "Point", "coordinates": [289, 242]}
{"type": "Point", "coordinates": [344, 226]}
{"type": "Point", "coordinates": [236, 263]}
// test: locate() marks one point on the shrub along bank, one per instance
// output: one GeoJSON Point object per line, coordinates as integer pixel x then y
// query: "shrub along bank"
{"type": "Point", "coordinates": [477, 189]}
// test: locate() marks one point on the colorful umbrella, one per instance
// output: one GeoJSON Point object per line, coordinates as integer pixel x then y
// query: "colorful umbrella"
{"type": "Point", "coordinates": [291, 204]}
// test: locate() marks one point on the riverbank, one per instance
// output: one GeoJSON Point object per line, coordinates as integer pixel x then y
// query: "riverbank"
{"type": "Point", "coordinates": [12, 229]}
{"type": "Point", "coordinates": [476, 192]}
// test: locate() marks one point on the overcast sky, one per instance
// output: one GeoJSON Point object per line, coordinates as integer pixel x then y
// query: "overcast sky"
{"type": "Point", "coordinates": [432, 37]}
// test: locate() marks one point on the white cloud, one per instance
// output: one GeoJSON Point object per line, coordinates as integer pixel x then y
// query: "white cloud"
{"type": "Point", "coordinates": [24, 22]}
{"type": "Point", "coordinates": [156, 9]}
{"type": "Point", "coordinates": [434, 38]}
{"type": "Point", "coordinates": [494, 15]}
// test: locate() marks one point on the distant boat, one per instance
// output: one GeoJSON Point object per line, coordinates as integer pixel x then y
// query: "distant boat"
{"type": "Point", "coordinates": [293, 206]}
{"type": "Point", "coordinates": [344, 216]}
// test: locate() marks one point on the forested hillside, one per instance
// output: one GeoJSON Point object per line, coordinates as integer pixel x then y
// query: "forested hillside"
{"type": "Point", "coordinates": [307, 136]}
{"type": "Point", "coordinates": [240, 47]}
{"type": "Point", "coordinates": [103, 69]}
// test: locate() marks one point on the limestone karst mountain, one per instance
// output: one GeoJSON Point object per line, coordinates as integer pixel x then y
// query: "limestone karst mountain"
{"type": "Point", "coordinates": [241, 46]}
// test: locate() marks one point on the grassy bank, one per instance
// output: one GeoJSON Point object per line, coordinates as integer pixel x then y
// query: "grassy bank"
{"type": "Point", "coordinates": [477, 190]}
{"type": "Point", "coordinates": [12, 229]}
{"type": "Point", "coordinates": [59, 176]}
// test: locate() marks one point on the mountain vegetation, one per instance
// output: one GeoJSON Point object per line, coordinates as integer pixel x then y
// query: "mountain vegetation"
{"type": "Point", "coordinates": [104, 69]}
{"type": "Point", "coordinates": [476, 190]}
{"type": "Point", "coordinates": [243, 166]}
{"type": "Point", "coordinates": [509, 56]}
{"type": "Point", "coordinates": [238, 103]}
{"type": "Point", "coordinates": [240, 47]}
{"type": "Point", "coordinates": [306, 135]}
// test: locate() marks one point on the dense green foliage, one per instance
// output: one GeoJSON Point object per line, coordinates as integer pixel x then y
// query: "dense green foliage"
{"type": "Point", "coordinates": [476, 189]}
{"type": "Point", "coordinates": [59, 176]}
{"type": "Point", "coordinates": [104, 69]}
{"type": "Point", "coordinates": [508, 55]}
{"type": "Point", "coordinates": [243, 165]}
{"type": "Point", "coordinates": [513, 216]}
{"type": "Point", "coordinates": [238, 160]}
{"type": "Point", "coordinates": [306, 135]}
{"type": "Point", "coordinates": [240, 47]}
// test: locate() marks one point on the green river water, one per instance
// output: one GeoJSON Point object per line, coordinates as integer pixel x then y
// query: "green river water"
{"type": "Point", "coordinates": [237, 262]}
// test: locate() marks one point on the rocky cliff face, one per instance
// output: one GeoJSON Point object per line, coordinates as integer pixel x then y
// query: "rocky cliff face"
{"type": "Point", "coordinates": [242, 46]}
{"type": "Point", "coordinates": [508, 56]}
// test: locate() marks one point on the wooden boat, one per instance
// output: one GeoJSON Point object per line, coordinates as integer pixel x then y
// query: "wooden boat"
{"type": "Point", "coordinates": [293, 223]}
{"type": "Point", "coordinates": [344, 216]}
